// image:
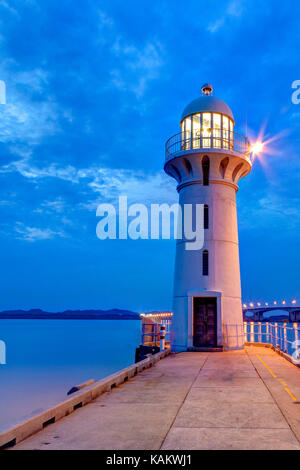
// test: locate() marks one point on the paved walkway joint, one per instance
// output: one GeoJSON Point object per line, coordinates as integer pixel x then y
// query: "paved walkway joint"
{"type": "Point", "coordinates": [222, 400]}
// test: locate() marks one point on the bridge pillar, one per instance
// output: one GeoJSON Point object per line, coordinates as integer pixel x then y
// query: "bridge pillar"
{"type": "Point", "coordinates": [258, 316]}
{"type": "Point", "coordinates": [294, 316]}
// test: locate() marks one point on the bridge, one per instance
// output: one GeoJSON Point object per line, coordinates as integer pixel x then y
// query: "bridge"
{"type": "Point", "coordinates": [260, 308]}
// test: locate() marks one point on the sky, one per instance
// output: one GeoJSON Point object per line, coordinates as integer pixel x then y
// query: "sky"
{"type": "Point", "coordinates": [93, 91]}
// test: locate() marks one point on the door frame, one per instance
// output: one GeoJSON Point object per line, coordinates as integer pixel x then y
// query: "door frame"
{"type": "Point", "coordinates": [213, 300]}
{"type": "Point", "coordinates": [206, 293]}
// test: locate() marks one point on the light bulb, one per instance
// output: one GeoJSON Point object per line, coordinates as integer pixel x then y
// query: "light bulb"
{"type": "Point", "coordinates": [257, 148]}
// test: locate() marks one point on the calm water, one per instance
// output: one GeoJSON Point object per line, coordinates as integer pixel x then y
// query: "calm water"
{"type": "Point", "coordinates": [45, 358]}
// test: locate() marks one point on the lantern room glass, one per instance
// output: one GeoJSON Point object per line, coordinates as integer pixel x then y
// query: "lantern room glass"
{"type": "Point", "coordinates": [188, 128]}
{"type": "Point", "coordinates": [196, 131]}
{"type": "Point", "coordinates": [207, 130]}
{"type": "Point", "coordinates": [217, 130]}
{"type": "Point", "coordinates": [225, 132]}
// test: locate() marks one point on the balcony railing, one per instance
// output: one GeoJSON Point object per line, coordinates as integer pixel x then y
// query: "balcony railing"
{"type": "Point", "coordinates": [214, 139]}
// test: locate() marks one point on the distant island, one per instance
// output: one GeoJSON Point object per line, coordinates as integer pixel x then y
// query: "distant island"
{"type": "Point", "coordinates": [38, 314]}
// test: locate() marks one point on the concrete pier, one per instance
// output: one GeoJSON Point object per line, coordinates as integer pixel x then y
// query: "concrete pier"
{"type": "Point", "coordinates": [247, 399]}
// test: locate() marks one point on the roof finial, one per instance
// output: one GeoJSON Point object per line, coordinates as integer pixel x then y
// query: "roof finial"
{"type": "Point", "coordinates": [207, 89]}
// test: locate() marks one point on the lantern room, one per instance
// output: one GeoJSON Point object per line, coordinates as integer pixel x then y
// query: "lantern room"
{"type": "Point", "coordinates": [207, 122]}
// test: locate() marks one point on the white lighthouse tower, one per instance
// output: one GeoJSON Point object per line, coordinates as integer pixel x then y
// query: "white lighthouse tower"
{"type": "Point", "coordinates": [207, 159]}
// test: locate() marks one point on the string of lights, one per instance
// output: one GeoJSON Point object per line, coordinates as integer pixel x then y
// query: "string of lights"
{"type": "Point", "coordinates": [275, 303]}
{"type": "Point", "coordinates": [249, 305]}
{"type": "Point", "coordinates": [157, 314]}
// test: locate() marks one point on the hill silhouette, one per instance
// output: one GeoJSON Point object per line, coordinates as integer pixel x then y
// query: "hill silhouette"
{"type": "Point", "coordinates": [38, 314]}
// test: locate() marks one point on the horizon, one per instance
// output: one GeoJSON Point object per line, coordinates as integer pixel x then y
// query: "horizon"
{"type": "Point", "coordinates": [277, 311]}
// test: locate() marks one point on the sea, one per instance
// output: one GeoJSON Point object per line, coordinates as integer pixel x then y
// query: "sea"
{"type": "Point", "coordinates": [46, 358]}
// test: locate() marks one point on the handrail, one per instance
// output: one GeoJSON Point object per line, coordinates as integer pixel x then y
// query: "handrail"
{"type": "Point", "coordinates": [151, 333]}
{"type": "Point", "coordinates": [218, 139]}
{"type": "Point", "coordinates": [282, 336]}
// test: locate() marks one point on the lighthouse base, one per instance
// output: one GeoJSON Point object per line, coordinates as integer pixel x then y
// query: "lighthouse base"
{"type": "Point", "coordinates": [199, 322]}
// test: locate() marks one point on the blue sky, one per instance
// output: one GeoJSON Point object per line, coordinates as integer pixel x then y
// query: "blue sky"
{"type": "Point", "coordinates": [94, 89]}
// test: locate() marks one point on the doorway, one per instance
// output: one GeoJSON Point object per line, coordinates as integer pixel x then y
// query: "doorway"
{"type": "Point", "coordinates": [205, 322]}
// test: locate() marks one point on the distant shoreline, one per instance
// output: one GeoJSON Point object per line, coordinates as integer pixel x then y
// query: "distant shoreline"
{"type": "Point", "coordinates": [37, 314]}
{"type": "Point", "coordinates": [67, 317]}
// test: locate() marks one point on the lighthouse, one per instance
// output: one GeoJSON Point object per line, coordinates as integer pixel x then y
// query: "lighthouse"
{"type": "Point", "coordinates": [207, 159]}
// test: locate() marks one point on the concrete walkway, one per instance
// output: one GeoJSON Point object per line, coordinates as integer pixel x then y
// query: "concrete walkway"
{"type": "Point", "coordinates": [225, 400]}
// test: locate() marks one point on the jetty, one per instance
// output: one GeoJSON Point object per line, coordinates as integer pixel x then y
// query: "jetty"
{"type": "Point", "coordinates": [246, 399]}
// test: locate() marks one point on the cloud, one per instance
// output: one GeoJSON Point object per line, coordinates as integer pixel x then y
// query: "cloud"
{"type": "Point", "coordinates": [25, 121]}
{"type": "Point", "coordinates": [133, 66]}
{"type": "Point", "coordinates": [235, 9]}
{"type": "Point", "coordinates": [104, 19]}
{"type": "Point", "coordinates": [137, 186]}
{"type": "Point", "coordinates": [85, 189]}
{"type": "Point", "coordinates": [30, 171]}
{"type": "Point", "coordinates": [5, 202]}
{"type": "Point", "coordinates": [215, 25]}
{"type": "Point", "coordinates": [276, 211]}
{"type": "Point", "coordinates": [107, 183]}
{"type": "Point", "coordinates": [288, 208]}
{"type": "Point", "coordinates": [32, 234]}
{"type": "Point", "coordinates": [35, 79]}
{"type": "Point", "coordinates": [58, 205]}
{"type": "Point", "coordinates": [138, 66]}
{"type": "Point", "coordinates": [4, 4]}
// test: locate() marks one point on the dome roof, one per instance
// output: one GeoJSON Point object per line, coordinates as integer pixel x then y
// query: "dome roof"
{"type": "Point", "coordinates": [207, 103]}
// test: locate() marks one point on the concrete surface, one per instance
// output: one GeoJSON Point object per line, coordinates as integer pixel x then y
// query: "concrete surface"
{"type": "Point", "coordinates": [78, 399]}
{"type": "Point", "coordinates": [225, 400]}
